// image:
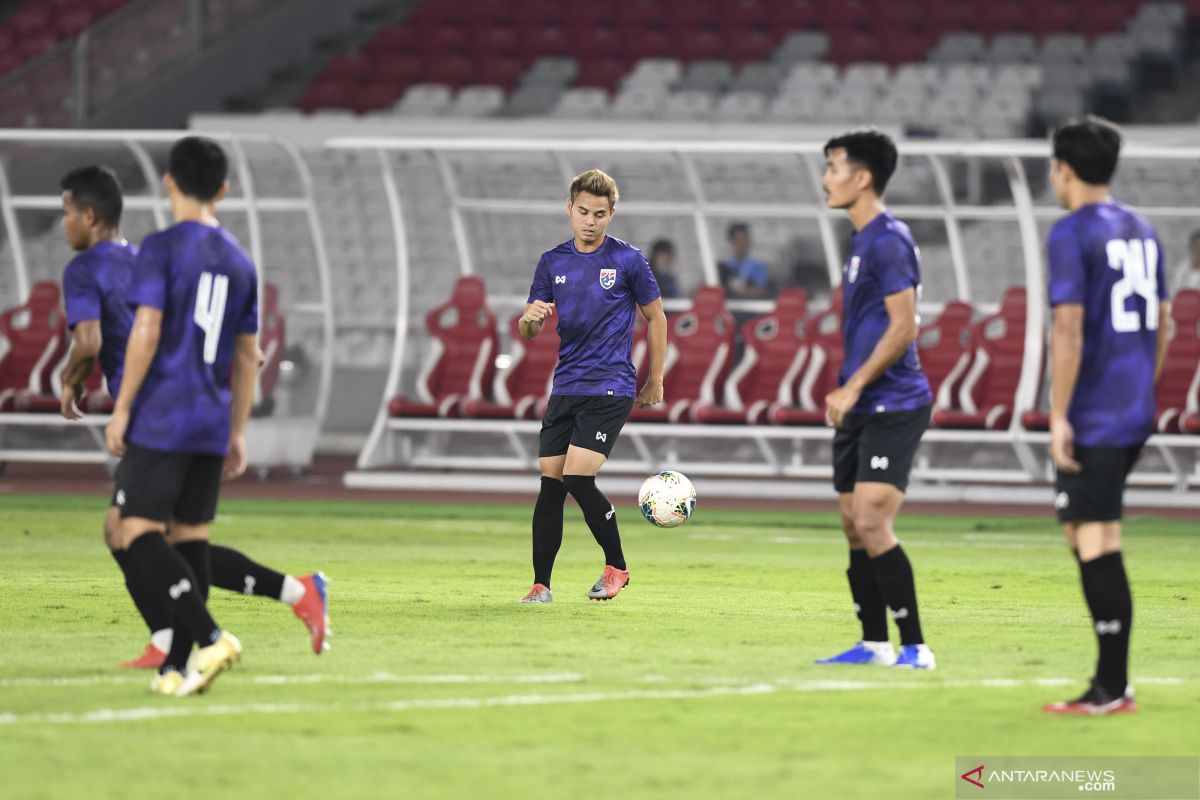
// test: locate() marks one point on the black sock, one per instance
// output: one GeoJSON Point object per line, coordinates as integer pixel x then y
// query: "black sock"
{"type": "Point", "coordinates": [156, 616]}
{"type": "Point", "coordinates": [868, 598]}
{"type": "Point", "coordinates": [233, 571]}
{"type": "Point", "coordinates": [599, 514]}
{"type": "Point", "coordinates": [195, 555]}
{"type": "Point", "coordinates": [173, 586]}
{"type": "Point", "coordinates": [1106, 588]}
{"type": "Point", "coordinates": [895, 576]}
{"type": "Point", "coordinates": [547, 528]}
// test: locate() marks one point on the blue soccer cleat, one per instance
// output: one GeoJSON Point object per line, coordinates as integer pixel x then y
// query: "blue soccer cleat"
{"type": "Point", "coordinates": [916, 656]}
{"type": "Point", "coordinates": [864, 653]}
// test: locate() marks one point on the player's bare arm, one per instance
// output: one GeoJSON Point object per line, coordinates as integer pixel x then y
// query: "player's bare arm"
{"type": "Point", "coordinates": [1163, 339]}
{"type": "Point", "coordinates": [1066, 353]}
{"type": "Point", "coordinates": [901, 332]}
{"type": "Point", "coordinates": [245, 372]}
{"type": "Point", "coordinates": [86, 340]}
{"type": "Point", "coordinates": [139, 354]}
{"type": "Point", "coordinates": [656, 341]}
{"type": "Point", "coordinates": [535, 314]}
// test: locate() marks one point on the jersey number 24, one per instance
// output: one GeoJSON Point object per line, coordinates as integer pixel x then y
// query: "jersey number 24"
{"type": "Point", "coordinates": [1137, 261]}
{"type": "Point", "coordinates": [211, 295]}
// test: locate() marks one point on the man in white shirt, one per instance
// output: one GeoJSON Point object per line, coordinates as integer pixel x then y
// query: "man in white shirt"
{"type": "Point", "coordinates": [1186, 274]}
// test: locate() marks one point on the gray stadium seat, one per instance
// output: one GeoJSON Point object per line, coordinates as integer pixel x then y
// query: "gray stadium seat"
{"type": "Point", "coordinates": [1063, 48]}
{"type": "Point", "coordinates": [554, 70]}
{"type": "Point", "coordinates": [866, 76]}
{"type": "Point", "coordinates": [958, 47]}
{"type": "Point", "coordinates": [807, 77]}
{"type": "Point", "coordinates": [801, 46]}
{"type": "Point", "coordinates": [1113, 47]}
{"type": "Point", "coordinates": [706, 75]}
{"type": "Point", "coordinates": [966, 79]}
{"type": "Point", "coordinates": [688, 105]}
{"type": "Point", "coordinates": [661, 72]}
{"type": "Point", "coordinates": [1026, 76]}
{"type": "Point", "coordinates": [757, 76]}
{"type": "Point", "coordinates": [913, 77]}
{"type": "Point", "coordinates": [1011, 48]}
{"type": "Point", "coordinates": [741, 107]}
{"type": "Point", "coordinates": [949, 110]}
{"type": "Point", "coordinates": [530, 100]}
{"type": "Point", "coordinates": [848, 107]}
{"type": "Point", "coordinates": [802, 106]}
{"type": "Point", "coordinates": [899, 107]}
{"type": "Point", "coordinates": [424, 100]}
{"type": "Point", "coordinates": [638, 103]}
{"type": "Point", "coordinates": [476, 101]}
{"type": "Point", "coordinates": [581, 103]}
{"type": "Point", "coordinates": [1056, 104]}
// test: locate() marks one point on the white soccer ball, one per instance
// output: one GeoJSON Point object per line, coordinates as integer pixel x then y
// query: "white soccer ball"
{"type": "Point", "coordinates": [667, 499]}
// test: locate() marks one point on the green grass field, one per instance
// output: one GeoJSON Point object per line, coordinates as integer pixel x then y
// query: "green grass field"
{"type": "Point", "coordinates": [696, 682]}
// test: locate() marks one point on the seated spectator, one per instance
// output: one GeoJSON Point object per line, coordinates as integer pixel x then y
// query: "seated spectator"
{"type": "Point", "coordinates": [743, 277]}
{"type": "Point", "coordinates": [662, 264]}
{"type": "Point", "coordinates": [1187, 273]}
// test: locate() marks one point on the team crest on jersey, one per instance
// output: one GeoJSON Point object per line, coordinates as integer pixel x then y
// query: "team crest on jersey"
{"type": "Point", "coordinates": [608, 278]}
{"type": "Point", "coordinates": [852, 270]}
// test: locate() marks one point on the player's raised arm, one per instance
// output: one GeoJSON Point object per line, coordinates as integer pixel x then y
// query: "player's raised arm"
{"type": "Point", "coordinates": [86, 340]}
{"type": "Point", "coordinates": [656, 341]}
{"type": "Point", "coordinates": [139, 354]}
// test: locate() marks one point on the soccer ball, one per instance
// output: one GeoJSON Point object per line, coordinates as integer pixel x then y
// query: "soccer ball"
{"type": "Point", "coordinates": [667, 499]}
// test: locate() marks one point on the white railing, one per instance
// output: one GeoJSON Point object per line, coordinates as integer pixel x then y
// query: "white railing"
{"type": "Point", "coordinates": [282, 439]}
{"type": "Point", "coordinates": [394, 442]}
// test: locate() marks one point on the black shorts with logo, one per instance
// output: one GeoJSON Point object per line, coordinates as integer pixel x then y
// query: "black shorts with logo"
{"type": "Point", "coordinates": [593, 423]}
{"type": "Point", "coordinates": [1096, 492]}
{"type": "Point", "coordinates": [877, 448]}
{"type": "Point", "coordinates": [152, 484]}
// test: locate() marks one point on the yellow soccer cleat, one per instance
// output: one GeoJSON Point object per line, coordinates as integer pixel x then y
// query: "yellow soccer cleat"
{"type": "Point", "coordinates": [167, 683]}
{"type": "Point", "coordinates": [209, 662]}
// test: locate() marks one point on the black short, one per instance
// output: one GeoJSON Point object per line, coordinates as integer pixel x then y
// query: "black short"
{"type": "Point", "coordinates": [593, 423]}
{"type": "Point", "coordinates": [1096, 492]}
{"type": "Point", "coordinates": [152, 484]}
{"type": "Point", "coordinates": [877, 448]}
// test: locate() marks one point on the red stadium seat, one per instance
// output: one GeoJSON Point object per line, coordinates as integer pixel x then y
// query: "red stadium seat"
{"type": "Point", "coordinates": [849, 47]}
{"type": "Point", "coordinates": [602, 74]}
{"type": "Point", "coordinates": [688, 14]}
{"type": "Point", "coordinates": [701, 43]}
{"type": "Point", "coordinates": [33, 337]}
{"type": "Point", "coordinates": [1004, 16]}
{"type": "Point", "coordinates": [750, 45]}
{"type": "Point", "coordinates": [942, 345]}
{"type": "Point", "coordinates": [442, 41]}
{"type": "Point", "coordinates": [396, 68]}
{"type": "Point", "coordinates": [374, 96]}
{"type": "Point", "coordinates": [502, 71]}
{"type": "Point", "coordinates": [453, 71]}
{"type": "Point", "coordinates": [394, 39]}
{"type": "Point", "coordinates": [324, 94]}
{"type": "Point", "coordinates": [795, 15]}
{"type": "Point", "coordinates": [765, 379]}
{"type": "Point", "coordinates": [983, 397]}
{"type": "Point", "coordinates": [494, 41]}
{"type": "Point", "coordinates": [538, 13]}
{"type": "Point", "coordinates": [272, 340]}
{"type": "Point", "coordinates": [605, 44]}
{"type": "Point", "coordinates": [31, 19]}
{"type": "Point", "coordinates": [462, 360]}
{"type": "Point", "coordinates": [347, 68]}
{"type": "Point", "coordinates": [698, 355]}
{"type": "Point", "coordinates": [1056, 16]}
{"type": "Point", "coordinates": [824, 335]}
{"type": "Point", "coordinates": [739, 15]}
{"type": "Point", "coordinates": [547, 40]}
{"type": "Point", "coordinates": [526, 384]}
{"type": "Point", "coordinates": [1178, 389]}
{"type": "Point", "coordinates": [944, 16]}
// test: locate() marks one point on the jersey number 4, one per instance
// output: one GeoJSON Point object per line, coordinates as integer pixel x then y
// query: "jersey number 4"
{"type": "Point", "coordinates": [211, 295]}
{"type": "Point", "coordinates": [1137, 261]}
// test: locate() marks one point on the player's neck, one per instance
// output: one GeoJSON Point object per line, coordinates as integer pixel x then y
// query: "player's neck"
{"type": "Point", "coordinates": [100, 235]}
{"type": "Point", "coordinates": [583, 247]}
{"type": "Point", "coordinates": [864, 210]}
{"type": "Point", "coordinates": [1085, 194]}
{"type": "Point", "coordinates": [185, 209]}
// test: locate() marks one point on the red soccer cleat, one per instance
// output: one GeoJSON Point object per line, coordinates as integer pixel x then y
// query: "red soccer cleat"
{"type": "Point", "coordinates": [611, 582]}
{"type": "Point", "coordinates": [1095, 702]}
{"type": "Point", "coordinates": [313, 609]}
{"type": "Point", "coordinates": [151, 658]}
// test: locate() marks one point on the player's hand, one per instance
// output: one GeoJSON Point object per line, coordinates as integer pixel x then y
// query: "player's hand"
{"type": "Point", "coordinates": [537, 312]}
{"type": "Point", "coordinates": [68, 402]}
{"type": "Point", "coordinates": [651, 394]}
{"type": "Point", "coordinates": [1062, 446]}
{"type": "Point", "coordinates": [235, 459]}
{"type": "Point", "coordinates": [838, 404]}
{"type": "Point", "coordinates": [114, 432]}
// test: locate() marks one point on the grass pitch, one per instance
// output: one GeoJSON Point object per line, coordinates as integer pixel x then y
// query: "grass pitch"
{"type": "Point", "coordinates": [696, 682]}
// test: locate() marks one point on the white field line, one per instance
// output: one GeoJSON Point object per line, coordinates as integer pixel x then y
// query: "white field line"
{"type": "Point", "coordinates": [279, 680]}
{"type": "Point", "coordinates": [830, 540]}
{"type": "Point", "coordinates": [186, 709]}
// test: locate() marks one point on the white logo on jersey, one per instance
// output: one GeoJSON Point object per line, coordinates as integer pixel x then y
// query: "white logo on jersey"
{"type": "Point", "coordinates": [879, 462]}
{"type": "Point", "coordinates": [601, 437]}
{"type": "Point", "coordinates": [120, 497]}
{"type": "Point", "coordinates": [1062, 501]}
{"type": "Point", "coordinates": [560, 279]}
{"type": "Point", "coordinates": [852, 271]}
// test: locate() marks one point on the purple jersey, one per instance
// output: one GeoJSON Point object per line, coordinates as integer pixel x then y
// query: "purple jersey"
{"type": "Point", "coordinates": [883, 261]}
{"type": "Point", "coordinates": [595, 297]}
{"type": "Point", "coordinates": [1108, 258]}
{"type": "Point", "coordinates": [94, 286]}
{"type": "Point", "coordinates": [207, 289]}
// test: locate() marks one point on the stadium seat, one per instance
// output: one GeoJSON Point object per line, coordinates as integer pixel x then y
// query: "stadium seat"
{"type": "Point", "coordinates": [525, 385]}
{"type": "Point", "coordinates": [272, 340]}
{"type": "Point", "coordinates": [461, 361]}
{"type": "Point", "coordinates": [1178, 389]}
{"type": "Point", "coordinates": [824, 336]}
{"type": "Point", "coordinates": [942, 345]}
{"type": "Point", "coordinates": [33, 337]}
{"type": "Point", "coordinates": [982, 398]}
{"type": "Point", "coordinates": [765, 379]}
{"type": "Point", "coordinates": [698, 354]}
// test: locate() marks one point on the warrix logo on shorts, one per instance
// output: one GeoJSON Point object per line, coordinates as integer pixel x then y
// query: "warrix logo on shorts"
{"type": "Point", "coordinates": [601, 437]}
{"type": "Point", "coordinates": [120, 497]}
{"type": "Point", "coordinates": [879, 462]}
{"type": "Point", "coordinates": [179, 589]}
{"type": "Point", "coordinates": [1062, 500]}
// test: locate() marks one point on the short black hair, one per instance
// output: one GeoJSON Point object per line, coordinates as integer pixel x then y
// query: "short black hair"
{"type": "Point", "coordinates": [661, 246]}
{"type": "Point", "coordinates": [1090, 145]}
{"type": "Point", "coordinates": [870, 149]}
{"type": "Point", "coordinates": [96, 188]}
{"type": "Point", "coordinates": [199, 167]}
{"type": "Point", "coordinates": [735, 228]}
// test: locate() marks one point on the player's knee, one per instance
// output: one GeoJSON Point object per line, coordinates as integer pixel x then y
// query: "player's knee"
{"type": "Point", "coordinates": [869, 523]}
{"type": "Point", "coordinates": [851, 532]}
{"type": "Point", "coordinates": [112, 530]}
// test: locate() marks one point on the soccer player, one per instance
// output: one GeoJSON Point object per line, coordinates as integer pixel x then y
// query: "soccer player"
{"type": "Point", "coordinates": [882, 405]}
{"type": "Point", "coordinates": [1107, 346]}
{"type": "Point", "coordinates": [592, 285]}
{"type": "Point", "coordinates": [95, 283]}
{"type": "Point", "coordinates": [179, 419]}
